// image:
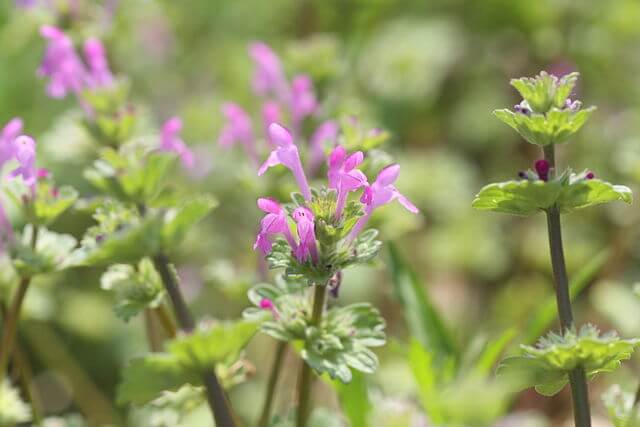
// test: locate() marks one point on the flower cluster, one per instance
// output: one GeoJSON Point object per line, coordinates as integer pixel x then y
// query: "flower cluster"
{"type": "Point", "coordinates": [281, 99]}
{"type": "Point", "coordinates": [170, 141]}
{"type": "Point", "coordinates": [65, 69]}
{"type": "Point", "coordinates": [325, 222]}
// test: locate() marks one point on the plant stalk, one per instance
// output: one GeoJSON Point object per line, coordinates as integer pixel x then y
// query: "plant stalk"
{"type": "Point", "coordinates": [216, 397]}
{"type": "Point", "coordinates": [577, 377]}
{"type": "Point", "coordinates": [306, 375]}
{"type": "Point", "coordinates": [11, 323]}
{"type": "Point", "coordinates": [276, 369]}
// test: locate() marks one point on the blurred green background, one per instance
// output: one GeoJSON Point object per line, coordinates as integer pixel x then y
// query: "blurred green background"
{"type": "Point", "coordinates": [429, 72]}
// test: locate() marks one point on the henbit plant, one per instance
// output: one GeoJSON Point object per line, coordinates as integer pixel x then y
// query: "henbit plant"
{"type": "Point", "coordinates": [329, 237]}
{"type": "Point", "coordinates": [139, 220]}
{"type": "Point", "coordinates": [547, 117]}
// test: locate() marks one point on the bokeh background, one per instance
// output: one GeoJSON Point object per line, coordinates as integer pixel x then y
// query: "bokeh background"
{"type": "Point", "coordinates": [429, 73]}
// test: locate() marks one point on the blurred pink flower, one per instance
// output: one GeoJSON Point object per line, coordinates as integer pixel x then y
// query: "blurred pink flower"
{"type": "Point", "coordinates": [170, 141]}
{"type": "Point", "coordinates": [238, 130]}
{"type": "Point", "coordinates": [61, 64]}
{"type": "Point", "coordinates": [343, 175]}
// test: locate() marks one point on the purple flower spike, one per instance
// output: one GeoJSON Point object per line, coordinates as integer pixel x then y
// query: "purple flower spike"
{"type": "Point", "coordinates": [307, 248]}
{"type": "Point", "coordinates": [542, 168]}
{"type": "Point", "coordinates": [327, 132]}
{"type": "Point", "coordinates": [268, 78]}
{"type": "Point", "coordinates": [380, 193]}
{"type": "Point", "coordinates": [24, 149]}
{"type": "Point", "coordinates": [170, 141]}
{"type": "Point", "coordinates": [286, 153]}
{"type": "Point", "coordinates": [61, 64]}
{"type": "Point", "coordinates": [10, 131]}
{"type": "Point", "coordinates": [238, 130]}
{"type": "Point", "coordinates": [303, 100]}
{"type": "Point", "coordinates": [96, 57]}
{"type": "Point", "coordinates": [274, 222]}
{"type": "Point", "coordinates": [343, 175]}
{"type": "Point", "coordinates": [270, 114]}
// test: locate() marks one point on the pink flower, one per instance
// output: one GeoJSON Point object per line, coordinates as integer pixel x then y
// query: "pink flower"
{"type": "Point", "coordinates": [61, 64]}
{"type": "Point", "coordinates": [170, 141]}
{"type": "Point", "coordinates": [307, 248]}
{"type": "Point", "coordinates": [269, 77]}
{"type": "Point", "coordinates": [327, 132]}
{"type": "Point", "coordinates": [273, 223]}
{"type": "Point", "coordinates": [24, 149]}
{"type": "Point", "coordinates": [303, 101]}
{"type": "Point", "coordinates": [237, 130]}
{"type": "Point", "coordinates": [270, 114]}
{"type": "Point", "coordinates": [381, 192]}
{"type": "Point", "coordinates": [100, 74]}
{"type": "Point", "coordinates": [343, 175]}
{"type": "Point", "coordinates": [10, 131]}
{"type": "Point", "coordinates": [286, 153]}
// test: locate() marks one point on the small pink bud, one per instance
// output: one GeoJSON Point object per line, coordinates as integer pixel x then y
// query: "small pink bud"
{"type": "Point", "coordinates": [266, 304]}
{"type": "Point", "coordinates": [590, 175]}
{"type": "Point", "coordinates": [542, 168]}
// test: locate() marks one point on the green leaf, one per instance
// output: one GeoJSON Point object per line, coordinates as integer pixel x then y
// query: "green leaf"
{"type": "Point", "coordinates": [354, 399]}
{"type": "Point", "coordinates": [53, 252]}
{"type": "Point", "coordinates": [522, 197]}
{"type": "Point", "coordinates": [585, 193]}
{"type": "Point", "coordinates": [424, 322]}
{"type": "Point", "coordinates": [179, 220]}
{"type": "Point", "coordinates": [213, 344]}
{"type": "Point", "coordinates": [135, 289]}
{"type": "Point", "coordinates": [492, 352]}
{"type": "Point", "coordinates": [545, 90]}
{"type": "Point", "coordinates": [556, 127]}
{"type": "Point", "coordinates": [547, 365]}
{"type": "Point", "coordinates": [147, 377]}
{"type": "Point", "coordinates": [568, 191]}
{"type": "Point", "coordinates": [50, 202]}
{"type": "Point", "coordinates": [12, 409]}
{"type": "Point", "coordinates": [546, 313]}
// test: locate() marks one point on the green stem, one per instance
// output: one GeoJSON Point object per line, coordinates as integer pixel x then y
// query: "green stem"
{"type": "Point", "coordinates": [577, 377]}
{"type": "Point", "coordinates": [11, 323]}
{"type": "Point", "coordinates": [306, 376]}
{"type": "Point", "coordinates": [276, 369]}
{"type": "Point", "coordinates": [216, 397]}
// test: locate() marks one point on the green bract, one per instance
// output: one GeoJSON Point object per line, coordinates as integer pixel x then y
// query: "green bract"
{"type": "Point", "coordinates": [547, 365]}
{"type": "Point", "coordinates": [545, 90]}
{"type": "Point", "coordinates": [135, 173]}
{"type": "Point", "coordinates": [48, 204]}
{"type": "Point", "coordinates": [135, 288]}
{"type": "Point", "coordinates": [184, 362]}
{"type": "Point", "coordinates": [339, 344]}
{"type": "Point", "coordinates": [114, 119]}
{"type": "Point", "coordinates": [554, 127]}
{"type": "Point", "coordinates": [12, 409]}
{"type": "Point", "coordinates": [52, 252]}
{"type": "Point", "coordinates": [568, 192]}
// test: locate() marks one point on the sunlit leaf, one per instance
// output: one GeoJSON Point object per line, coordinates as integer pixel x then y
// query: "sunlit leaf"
{"type": "Point", "coordinates": [178, 221]}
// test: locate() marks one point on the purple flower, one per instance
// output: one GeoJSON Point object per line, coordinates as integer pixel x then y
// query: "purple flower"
{"type": "Point", "coordinates": [326, 132]}
{"type": "Point", "coordinates": [381, 192]}
{"type": "Point", "coordinates": [303, 100]}
{"type": "Point", "coordinates": [24, 149]}
{"type": "Point", "coordinates": [9, 132]}
{"type": "Point", "coordinates": [170, 141]}
{"type": "Point", "coordinates": [268, 78]}
{"type": "Point", "coordinates": [61, 64]}
{"type": "Point", "coordinates": [343, 175]}
{"type": "Point", "coordinates": [286, 153]}
{"type": "Point", "coordinates": [270, 114]}
{"type": "Point", "coordinates": [542, 168]}
{"type": "Point", "coordinates": [99, 72]}
{"type": "Point", "coordinates": [307, 248]}
{"type": "Point", "coordinates": [237, 130]}
{"type": "Point", "coordinates": [274, 222]}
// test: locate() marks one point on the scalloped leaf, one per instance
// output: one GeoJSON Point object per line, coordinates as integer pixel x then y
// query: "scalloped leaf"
{"type": "Point", "coordinates": [50, 202]}
{"type": "Point", "coordinates": [526, 197]}
{"type": "Point", "coordinates": [556, 127]}
{"type": "Point", "coordinates": [53, 252]}
{"type": "Point", "coordinates": [547, 365]}
{"type": "Point", "coordinates": [179, 220]}
{"type": "Point", "coordinates": [135, 289]}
